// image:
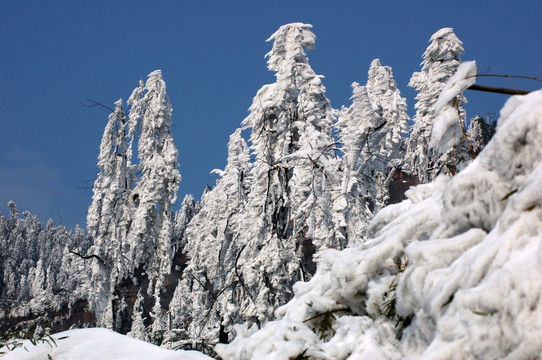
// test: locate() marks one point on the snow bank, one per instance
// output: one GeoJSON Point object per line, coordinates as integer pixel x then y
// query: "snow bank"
{"type": "Point", "coordinates": [453, 272]}
{"type": "Point", "coordinates": [98, 344]}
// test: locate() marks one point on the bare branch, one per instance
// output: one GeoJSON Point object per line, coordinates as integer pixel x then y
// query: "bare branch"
{"type": "Point", "coordinates": [498, 90]}
{"type": "Point", "coordinates": [92, 103]}
{"type": "Point", "coordinates": [86, 257]}
{"type": "Point", "coordinates": [327, 312]}
{"type": "Point", "coordinates": [538, 78]}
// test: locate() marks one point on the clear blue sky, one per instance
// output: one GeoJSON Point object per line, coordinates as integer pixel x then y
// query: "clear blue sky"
{"type": "Point", "coordinates": [54, 54]}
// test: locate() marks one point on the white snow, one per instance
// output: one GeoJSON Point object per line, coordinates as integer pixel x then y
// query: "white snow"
{"type": "Point", "coordinates": [441, 60]}
{"type": "Point", "coordinates": [464, 77]}
{"type": "Point", "coordinates": [98, 344]}
{"type": "Point", "coordinates": [465, 254]}
{"type": "Point", "coordinates": [447, 129]}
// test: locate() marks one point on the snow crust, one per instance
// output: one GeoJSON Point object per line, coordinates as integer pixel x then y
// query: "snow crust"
{"type": "Point", "coordinates": [459, 263]}
{"type": "Point", "coordinates": [98, 344]}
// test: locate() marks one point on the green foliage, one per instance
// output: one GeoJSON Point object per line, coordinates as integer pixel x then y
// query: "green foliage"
{"type": "Point", "coordinates": [322, 323]}
{"type": "Point", "coordinates": [157, 337]}
{"type": "Point", "coordinates": [389, 309]}
{"type": "Point", "coordinates": [389, 304]}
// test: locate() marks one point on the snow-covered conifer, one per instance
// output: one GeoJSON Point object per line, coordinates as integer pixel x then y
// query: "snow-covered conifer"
{"type": "Point", "coordinates": [109, 215]}
{"type": "Point", "coordinates": [449, 140]}
{"type": "Point", "coordinates": [213, 242]}
{"type": "Point", "coordinates": [189, 208]}
{"type": "Point", "coordinates": [148, 243]}
{"type": "Point", "coordinates": [371, 134]}
{"type": "Point", "coordinates": [113, 177]}
{"type": "Point", "coordinates": [138, 330]}
{"type": "Point", "coordinates": [388, 136]}
{"type": "Point", "coordinates": [479, 133]}
{"type": "Point", "coordinates": [262, 221]}
{"type": "Point", "coordinates": [314, 163]}
{"type": "Point", "coordinates": [38, 274]}
{"type": "Point", "coordinates": [130, 217]}
{"type": "Point", "coordinates": [441, 60]}
{"type": "Point", "coordinates": [358, 185]}
{"type": "Point", "coordinates": [288, 210]}
{"type": "Point", "coordinates": [150, 234]}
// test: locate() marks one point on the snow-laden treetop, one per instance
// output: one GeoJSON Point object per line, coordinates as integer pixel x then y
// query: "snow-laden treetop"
{"type": "Point", "coordinates": [444, 45]}
{"type": "Point", "coordinates": [289, 44]}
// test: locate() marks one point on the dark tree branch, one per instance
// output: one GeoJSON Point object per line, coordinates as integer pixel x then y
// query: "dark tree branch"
{"type": "Point", "coordinates": [92, 103]}
{"type": "Point", "coordinates": [380, 126]}
{"type": "Point", "coordinates": [537, 78]}
{"type": "Point", "coordinates": [239, 276]}
{"type": "Point", "coordinates": [325, 313]}
{"type": "Point", "coordinates": [86, 257]}
{"type": "Point", "coordinates": [498, 90]}
{"type": "Point", "coordinates": [203, 285]}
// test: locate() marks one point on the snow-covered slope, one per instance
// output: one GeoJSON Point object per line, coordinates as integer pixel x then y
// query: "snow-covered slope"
{"type": "Point", "coordinates": [98, 344]}
{"type": "Point", "coordinates": [453, 272]}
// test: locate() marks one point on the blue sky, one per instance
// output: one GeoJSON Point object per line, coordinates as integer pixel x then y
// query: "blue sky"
{"type": "Point", "coordinates": [55, 54]}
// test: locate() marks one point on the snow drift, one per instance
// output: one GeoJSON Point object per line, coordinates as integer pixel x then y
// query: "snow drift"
{"type": "Point", "coordinates": [455, 271]}
{"type": "Point", "coordinates": [97, 344]}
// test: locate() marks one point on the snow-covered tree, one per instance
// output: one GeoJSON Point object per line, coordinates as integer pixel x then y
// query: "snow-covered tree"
{"type": "Point", "coordinates": [371, 133]}
{"type": "Point", "coordinates": [358, 185]}
{"type": "Point", "coordinates": [289, 206]}
{"type": "Point", "coordinates": [388, 136]}
{"type": "Point", "coordinates": [189, 209]}
{"type": "Point", "coordinates": [138, 330]}
{"type": "Point", "coordinates": [441, 60]}
{"type": "Point", "coordinates": [448, 138]}
{"type": "Point", "coordinates": [113, 179]}
{"type": "Point", "coordinates": [314, 164]}
{"type": "Point", "coordinates": [213, 243]}
{"type": "Point", "coordinates": [149, 239]}
{"type": "Point", "coordinates": [109, 215]}
{"type": "Point", "coordinates": [130, 217]}
{"type": "Point", "coordinates": [258, 229]}
{"type": "Point", "coordinates": [38, 274]}
{"type": "Point", "coordinates": [479, 133]}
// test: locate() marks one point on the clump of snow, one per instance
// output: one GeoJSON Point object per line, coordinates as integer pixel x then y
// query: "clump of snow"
{"type": "Point", "coordinates": [464, 77]}
{"type": "Point", "coordinates": [447, 129]}
{"type": "Point", "coordinates": [453, 272]}
{"type": "Point", "coordinates": [97, 344]}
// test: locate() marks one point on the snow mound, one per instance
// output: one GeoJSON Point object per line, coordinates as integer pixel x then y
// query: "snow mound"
{"type": "Point", "coordinates": [453, 272]}
{"type": "Point", "coordinates": [98, 344]}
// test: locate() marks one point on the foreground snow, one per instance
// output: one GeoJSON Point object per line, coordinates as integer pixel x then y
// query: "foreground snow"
{"type": "Point", "coordinates": [455, 272]}
{"type": "Point", "coordinates": [98, 344]}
